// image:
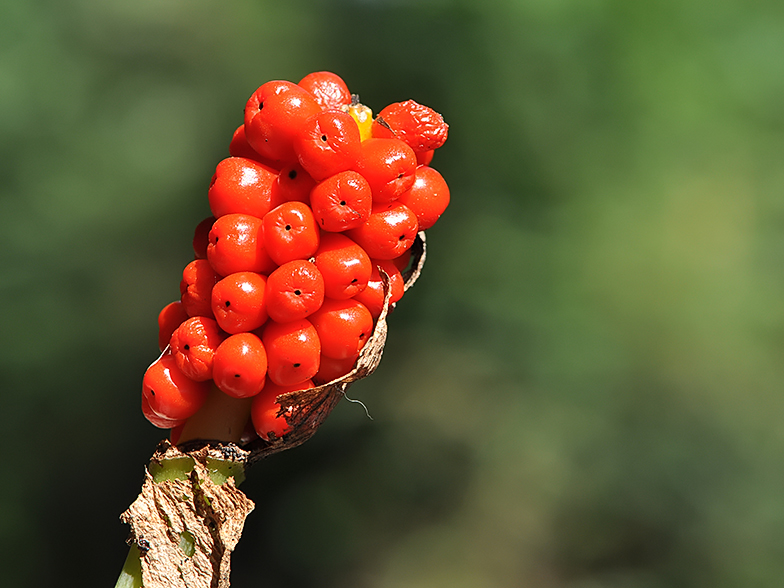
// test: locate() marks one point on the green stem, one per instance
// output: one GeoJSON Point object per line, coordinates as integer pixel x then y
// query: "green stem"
{"type": "Point", "coordinates": [131, 574]}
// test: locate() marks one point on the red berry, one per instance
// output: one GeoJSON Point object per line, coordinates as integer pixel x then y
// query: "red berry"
{"type": "Point", "coordinates": [424, 157]}
{"type": "Point", "coordinates": [236, 245]}
{"type": "Point", "coordinates": [170, 393]}
{"type": "Point", "coordinates": [240, 365]}
{"type": "Point", "coordinates": [264, 409]}
{"type": "Point", "coordinates": [419, 126]}
{"type": "Point", "coordinates": [241, 185]}
{"type": "Point", "coordinates": [390, 230]}
{"type": "Point", "coordinates": [329, 89]}
{"type": "Point", "coordinates": [293, 351]}
{"type": "Point", "coordinates": [344, 265]}
{"type": "Point", "coordinates": [402, 262]}
{"type": "Point", "coordinates": [294, 291]}
{"type": "Point", "coordinates": [428, 197]}
{"type": "Point", "coordinates": [373, 296]}
{"type": "Point", "coordinates": [156, 419]}
{"type": "Point", "coordinates": [171, 316]}
{"type": "Point", "coordinates": [193, 345]}
{"type": "Point", "coordinates": [331, 369]}
{"type": "Point", "coordinates": [388, 165]}
{"type": "Point", "coordinates": [274, 115]}
{"type": "Point", "coordinates": [292, 183]}
{"type": "Point", "coordinates": [201, 237]}
{"type": "Point", "coordinates": [328, 143]}
{"type": "Point", "coordinates": [290, 232]}
{"type": "Point", "coordinates": [238, 302]}
{"type": "Point", "coordinates": [343, 327]}
{"type": "Point", "coordinates": [239, 147]}
{"type": "Point", "coordinates": [198, 278]}
{"type": "Point", "coordinates": [342, 201]}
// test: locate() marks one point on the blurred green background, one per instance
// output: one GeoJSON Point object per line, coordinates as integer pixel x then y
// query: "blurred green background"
{"type": "Point", "coordinates": [583, 390]}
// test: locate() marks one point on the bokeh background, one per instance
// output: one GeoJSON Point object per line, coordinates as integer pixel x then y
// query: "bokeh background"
{"type": "Point", "coordinates": [584, 390]}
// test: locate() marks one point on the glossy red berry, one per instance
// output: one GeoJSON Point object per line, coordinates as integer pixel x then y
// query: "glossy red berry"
{"type": "Point", "coordinates": [156, 419]}
{"type": "Point", "coordinates": [294, 291]}
{"type": "Point", "coordinates": [330, 369]}
{"type": "Point", "coordinates": [329, 89]}
{"type": "Point", "coordinates": [403, 261]}
{"type": "Point", "coordinates": [344, 265]}
{"type": "Point", "coordinates": [264, 409]}
{"type": "Point", "coordinates": [390, 230]}
{"type": "Point", "coordinates": [236, 245]}
{"type": "Point", "coordinates": [238, 302]}
{"type": "Point", "coordinates": [428, 197]}
{"type": "Point", "coordinates": [240, 365]}
{"type": "Point", "coordinates": [328, 143]}
{"type": "Point", "coordinates": [341, 202]}
{"type": "Point", "coordinates": [388, 165]}
{"type": "Point", "coordinates": [419, 126]}
{"type": "Point", "coordinates": [290, 232]}
{"type": "Point", "coordinates": [239, 147]}
{"type": "Point", "coordinates": [373, 296]}
{"type": "Point", "coordinates": [292, 183]}
{"type": "Point", "coordinates": [193, 345]}
{"type": "Point", "coordinates": [198, 278]}
{"type": "Point", "coordinates": [343, 327]}
{"type": "Point", "coordinates": [170, 393]}
{"type": "Point", "coordinates": [171, 316]}
{"type": "Point", "coordinates": [274, 115]}
{"type": "Point", "coordinates": [241, 185]}
{"type": "Point", "coordinates": [424, 157]}
{"type": "Point", "coordinates": [293, 351]}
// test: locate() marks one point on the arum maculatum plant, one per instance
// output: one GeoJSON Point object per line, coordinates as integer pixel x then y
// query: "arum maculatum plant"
{"type": "Point", "coordinates": [316, 232]}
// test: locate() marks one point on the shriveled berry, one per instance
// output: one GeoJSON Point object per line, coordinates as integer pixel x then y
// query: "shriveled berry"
{"type": "Point", "coordinates": [170, 393]}
{"type": "Point", "coordinates": [241, 185]}
{"type": "Point", "coordinates": [201, 237]}
{"type": "Point", "coordinates": [240, 365]}
{"type": "Point", "coordinates": [341, 202]}
{"type": "Point", "coordinates": [343, 327]}
{"type": "Point", "coordinates": [388, 165]}
{"type": "Point", "coordinates": [198, 278]}
{"type": "Point", "coordinates": [236, 245]}
{"type": "Point", "coordinates": [290, 232]}
{"type": "Point", "coordinates": [171, 316]}
{"type": "Point", "coordinates": [373, 296]}
{"type": "Point", "coordinates": [274, 115]}
{"type": "Point", "coordinates": [419, 126]}
{"type": "Point", "coordinates": [238, 302]}
{"type": "Point", "coordinates": [328, 143]}
{"type": "Point", "coordinates": [428, 197]}
{"type": "Point", "coordinates": [329, 89]}
{"type": "Point", "coordinates": [345, 266]}
{"type": "Point", "coordinates": [293, 351]}
{"type": "Point", "coordinates": [390, 230]}
{"type": "Point", "coordinates": [193, 345]}
{"type": "Point", "coordinates": [294, 291]}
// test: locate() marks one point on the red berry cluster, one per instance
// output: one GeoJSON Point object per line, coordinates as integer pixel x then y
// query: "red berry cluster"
{"type": "Point", "coordinates": [316, 200]}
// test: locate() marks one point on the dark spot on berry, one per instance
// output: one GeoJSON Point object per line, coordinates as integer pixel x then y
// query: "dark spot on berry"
{"type": "Point", "coordinates": [362, 335]}
{"type": "Point", "coordinates": [297, 365]}
{"type": "Point", "coordinates": [152, 391]}
{"type": "Point", "coordinates": [261, 105]}
{"type": "Point", "coordinates": [342, 202]}
{"type": "Point", "coordinates": [186, 347]}
{"type": "Point", "coordinates": [324, 138]}
{"type": "Point", "coordinates": [288, 227]}
{"type": "Point", "coordinates": [400, 175]}
{"type": "Point", "coordinates": [298, 292]}
{"type": "Point", "coordinates": [401, 237]}
{"type": "Point", "coordinates": [293, 174]}
{"type": "Point", "coordinates": [236, 375]}
{"type": "Point", "coordinates": [354, 280]}
{"type": "Point", "coordinates": [227, 303]}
